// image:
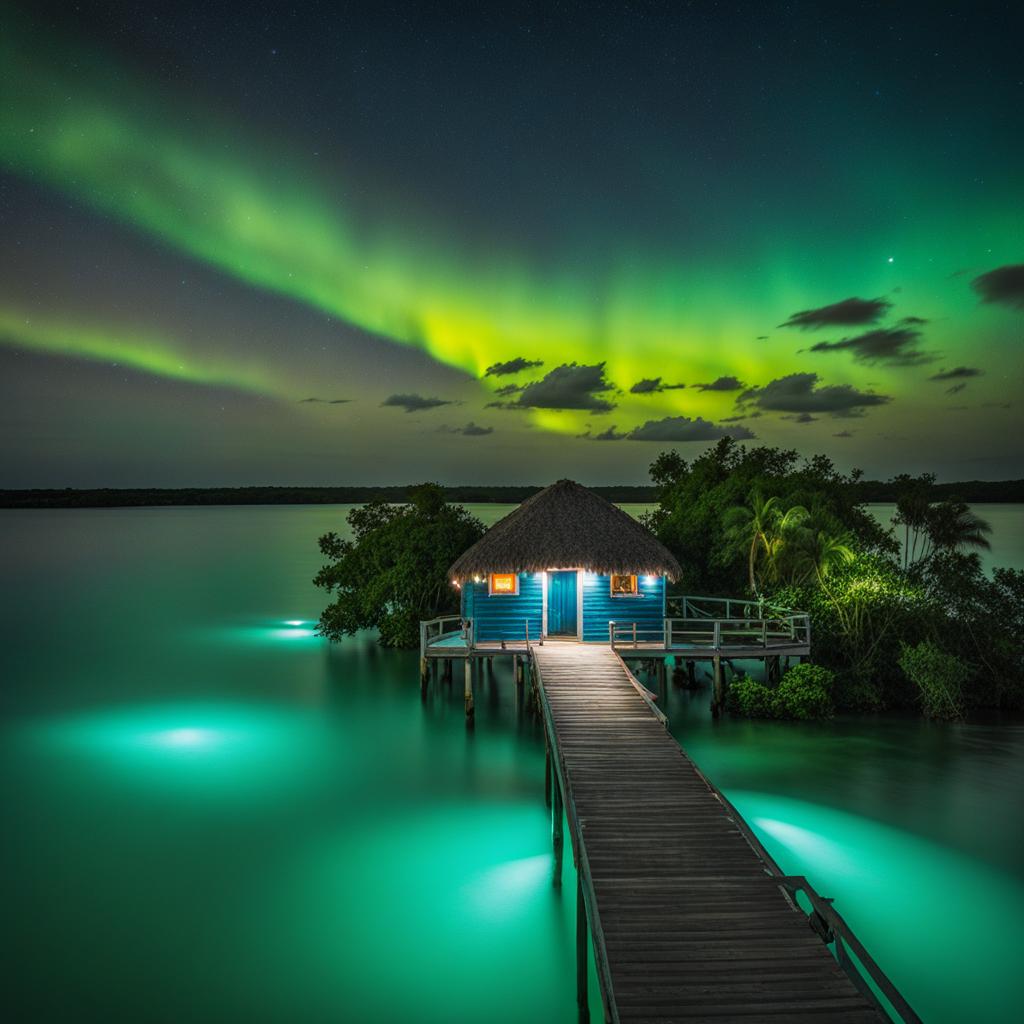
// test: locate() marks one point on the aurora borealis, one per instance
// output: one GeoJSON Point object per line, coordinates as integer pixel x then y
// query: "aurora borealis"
{"type": "Point", "coordinates": [261, 245]}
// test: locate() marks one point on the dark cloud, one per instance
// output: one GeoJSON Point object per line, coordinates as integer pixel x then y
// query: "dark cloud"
{"type": "Point", "coordinates": [509, 389]}
{"type": "Point", "coordinates": [569, 386]}
{"type": "Point", "coordinates": [848, 313]}
{"type": "Point", "coordinates": [682, 428]}
{"type": "Point", "coordinates": [326, 401]}
{"type": "Point", "coordinates": [415, 403]}
{"type": "Point", "coordinates": [957, 373]}
{"type": "Point", "coordinates": [799, 392]}
{"type": "Point", "coordinates": [611, 434]}
{"type": "Point", "coordinates": [844, 433]}
{"type": "Point", "coordinates": [722, 384]}
{"type": "Point", "coordinates": [1004, 285]}
{"type": "Point", "coordinates": [761, 337]}
{"type": "Point", "coordinates": [652, 385]}
{"type": "Point", "coordinates": [471, 429]}
{"type": "Point", "coordinates": [956, 388]}
{"type": "Point", "coordinates": [914, 321]}
{"type": "Point", "coordinates": [742, 416]}
{"type": "Point", "coordinates": [896, 346]}
{"type": "Point", "coordinates": [802, 417]}
{"type": "Point", "coordinates": [516, 365]}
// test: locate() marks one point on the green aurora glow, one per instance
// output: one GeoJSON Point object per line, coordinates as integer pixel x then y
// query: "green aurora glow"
{"type": "Point", "coordinates": [163, 165]}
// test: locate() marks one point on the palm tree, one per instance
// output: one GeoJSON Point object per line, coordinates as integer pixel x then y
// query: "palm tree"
{"type": "Point", "coordinates": [761, 527]}
{"type": "Point", "coordinates": [952, 526]}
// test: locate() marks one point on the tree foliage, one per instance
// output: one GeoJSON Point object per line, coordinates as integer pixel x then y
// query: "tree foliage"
{"type": "Point", "coordinates": [393, 573]}
{"type": "Point", "coordinates": [797, 534]}
{"type": "Point", "coordinates": [739, 519]}
{"type": "Point", "coordinates": [804, 693]}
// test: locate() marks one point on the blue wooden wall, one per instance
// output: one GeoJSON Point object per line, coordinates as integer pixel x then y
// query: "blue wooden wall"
{"type": "Point", "coordinates": [599, 607]}
{"type": "Point", "coordinates": [503, 616]}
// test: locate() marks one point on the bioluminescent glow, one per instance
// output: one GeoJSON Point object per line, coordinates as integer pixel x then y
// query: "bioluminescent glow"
{"type": "Point", "coordinates": [187, 738]}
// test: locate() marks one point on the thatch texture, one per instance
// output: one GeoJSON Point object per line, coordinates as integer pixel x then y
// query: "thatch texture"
{"type": "Point", "coordinates": [565, 526]}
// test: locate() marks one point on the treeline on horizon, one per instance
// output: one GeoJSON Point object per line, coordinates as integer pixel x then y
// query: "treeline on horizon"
{"type": "Point", "coordinates": [136, 497]}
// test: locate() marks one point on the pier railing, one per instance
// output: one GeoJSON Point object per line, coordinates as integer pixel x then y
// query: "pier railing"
{"type": "Point", "coordinates": [715, 634]}
{"type": "Point", "coordinates": [442, 628]}
{"type": "Point", "coordinates": [829, 925]}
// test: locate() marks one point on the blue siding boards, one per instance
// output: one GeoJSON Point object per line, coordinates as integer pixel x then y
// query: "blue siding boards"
{"type": "Point", "coordinates": [504, 617]}
{"type": "Point", "coordinates": [600, 608]}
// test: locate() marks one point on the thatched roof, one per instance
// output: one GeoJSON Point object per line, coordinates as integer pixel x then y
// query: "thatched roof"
{"type": "Point", "coordinates": [565, 526]}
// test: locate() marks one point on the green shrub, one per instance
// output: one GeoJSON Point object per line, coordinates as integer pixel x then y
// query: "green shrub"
{"type": "Point", "coordinates": [805, 693]}
{"type": "Point", "coordinates": [939, 677]}
{"type": "Point", "coordinates": [751, 699]}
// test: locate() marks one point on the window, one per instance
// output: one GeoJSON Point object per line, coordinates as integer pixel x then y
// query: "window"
{"type": "Point", "coordinates": [503, 583]}
{"type": "Point", "coordinates": [624, 586]}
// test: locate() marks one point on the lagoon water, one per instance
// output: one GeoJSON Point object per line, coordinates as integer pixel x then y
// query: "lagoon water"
{"type": "Point", "coordinates": [209, 814]}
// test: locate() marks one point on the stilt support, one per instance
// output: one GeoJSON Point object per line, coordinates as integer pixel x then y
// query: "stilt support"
{"type": "Point", "coordinates": [470, 710]}
{"type": "Point", "coordinates": [719, 687]}
{"type": "Point", "coordinates": [547, 774]}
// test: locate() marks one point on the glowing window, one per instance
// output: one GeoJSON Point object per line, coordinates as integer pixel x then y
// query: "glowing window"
{"type": "Point", "coordinates": [503, 583]}
{"type": "Point", "coordinates": [624, 586]}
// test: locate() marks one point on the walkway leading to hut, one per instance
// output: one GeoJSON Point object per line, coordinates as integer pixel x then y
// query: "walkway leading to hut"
{"type": "Point", "coordinates": [687, 923]}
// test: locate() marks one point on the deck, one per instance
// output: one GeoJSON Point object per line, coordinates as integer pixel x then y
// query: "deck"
{"type": "Point", "coordinates": [689, 921]}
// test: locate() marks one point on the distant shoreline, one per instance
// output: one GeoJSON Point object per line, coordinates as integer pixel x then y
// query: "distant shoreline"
{"type": "Point", "coordinates": [979, 491]}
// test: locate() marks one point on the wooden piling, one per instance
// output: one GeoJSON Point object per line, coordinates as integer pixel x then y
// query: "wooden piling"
{"type": "Point", "coordinates": [468, 691]}
{"type": "Point", "coordinates": [718, 693]}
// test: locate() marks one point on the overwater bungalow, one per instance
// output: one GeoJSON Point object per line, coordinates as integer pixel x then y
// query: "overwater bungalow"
{"type": "Point", "coordinates": [565, 564]}
{"type": "Point", "coordinates": [569, 566]}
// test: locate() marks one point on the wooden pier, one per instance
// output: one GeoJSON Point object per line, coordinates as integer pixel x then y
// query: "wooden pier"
{"type": "Point", "coordinates": [689, 917]}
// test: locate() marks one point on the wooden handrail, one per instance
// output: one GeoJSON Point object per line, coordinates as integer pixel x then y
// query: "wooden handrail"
{"type": "Point", "coordinates": [836, 930]}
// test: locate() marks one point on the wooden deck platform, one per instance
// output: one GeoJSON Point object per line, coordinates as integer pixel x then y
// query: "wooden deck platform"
{"type": "Point", "coordinates": [687, 921]}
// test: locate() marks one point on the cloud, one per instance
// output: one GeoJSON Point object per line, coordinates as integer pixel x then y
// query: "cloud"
{"type": "Point", "coordinates": [415, 403]}
{"type": "Point", "coordinates": [957, 373]}
{"type": "Point", "coordinates": [516, 365]}
{"type": "Point", "coordinates": [509, 389]}
{"type": "Point", "coordinates": [896, 346]}
{"type": "Point", "coordinates": [801, 417]}
{"type": "Point", "coordinates": [742, 416]}
{"type": "Point", "coordinates": [682, 428]}
{"type": "Point", "coordinates": [799, 392]}
{"type": "Point", "coordinates": [848, 313]}
{"type": "Point", "coordinates": [761, 337]}
{"type": "Point", "coordinates": [611, 434]}
{"type": "Point", "coordinates": [653, 385]}
{"type": "Point", "coordinates": [471, 429]}
{"type": "Point", "coordinates": [326, 401]}
{"type": "Point", "coordinates": [722, 384]}
{"type": "Point", "coordinates": [956, 388]}
{"type": "Point", "coordinates": [1003, 285]}
{"type": "Point", "coordinates": [844, 433]}
{"type": "Point", "coordinates": [569, 386]}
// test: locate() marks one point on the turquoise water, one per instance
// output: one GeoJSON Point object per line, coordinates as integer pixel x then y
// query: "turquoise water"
{"type": "Point", "coordinates": [211, 815]}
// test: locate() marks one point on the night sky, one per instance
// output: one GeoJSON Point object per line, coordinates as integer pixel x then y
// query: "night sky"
{"type": "Point", "coordinates": [325, 244]}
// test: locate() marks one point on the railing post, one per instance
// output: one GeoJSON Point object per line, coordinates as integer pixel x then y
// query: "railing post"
{"type": "Point", "coordinates": [764, 633]}
{"type": "Point", "coordinates": [634, 634]}
{"type": "Point", "coordinates": [716, 635]}
{"type": "Point", "coordinates": [611, 632]}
